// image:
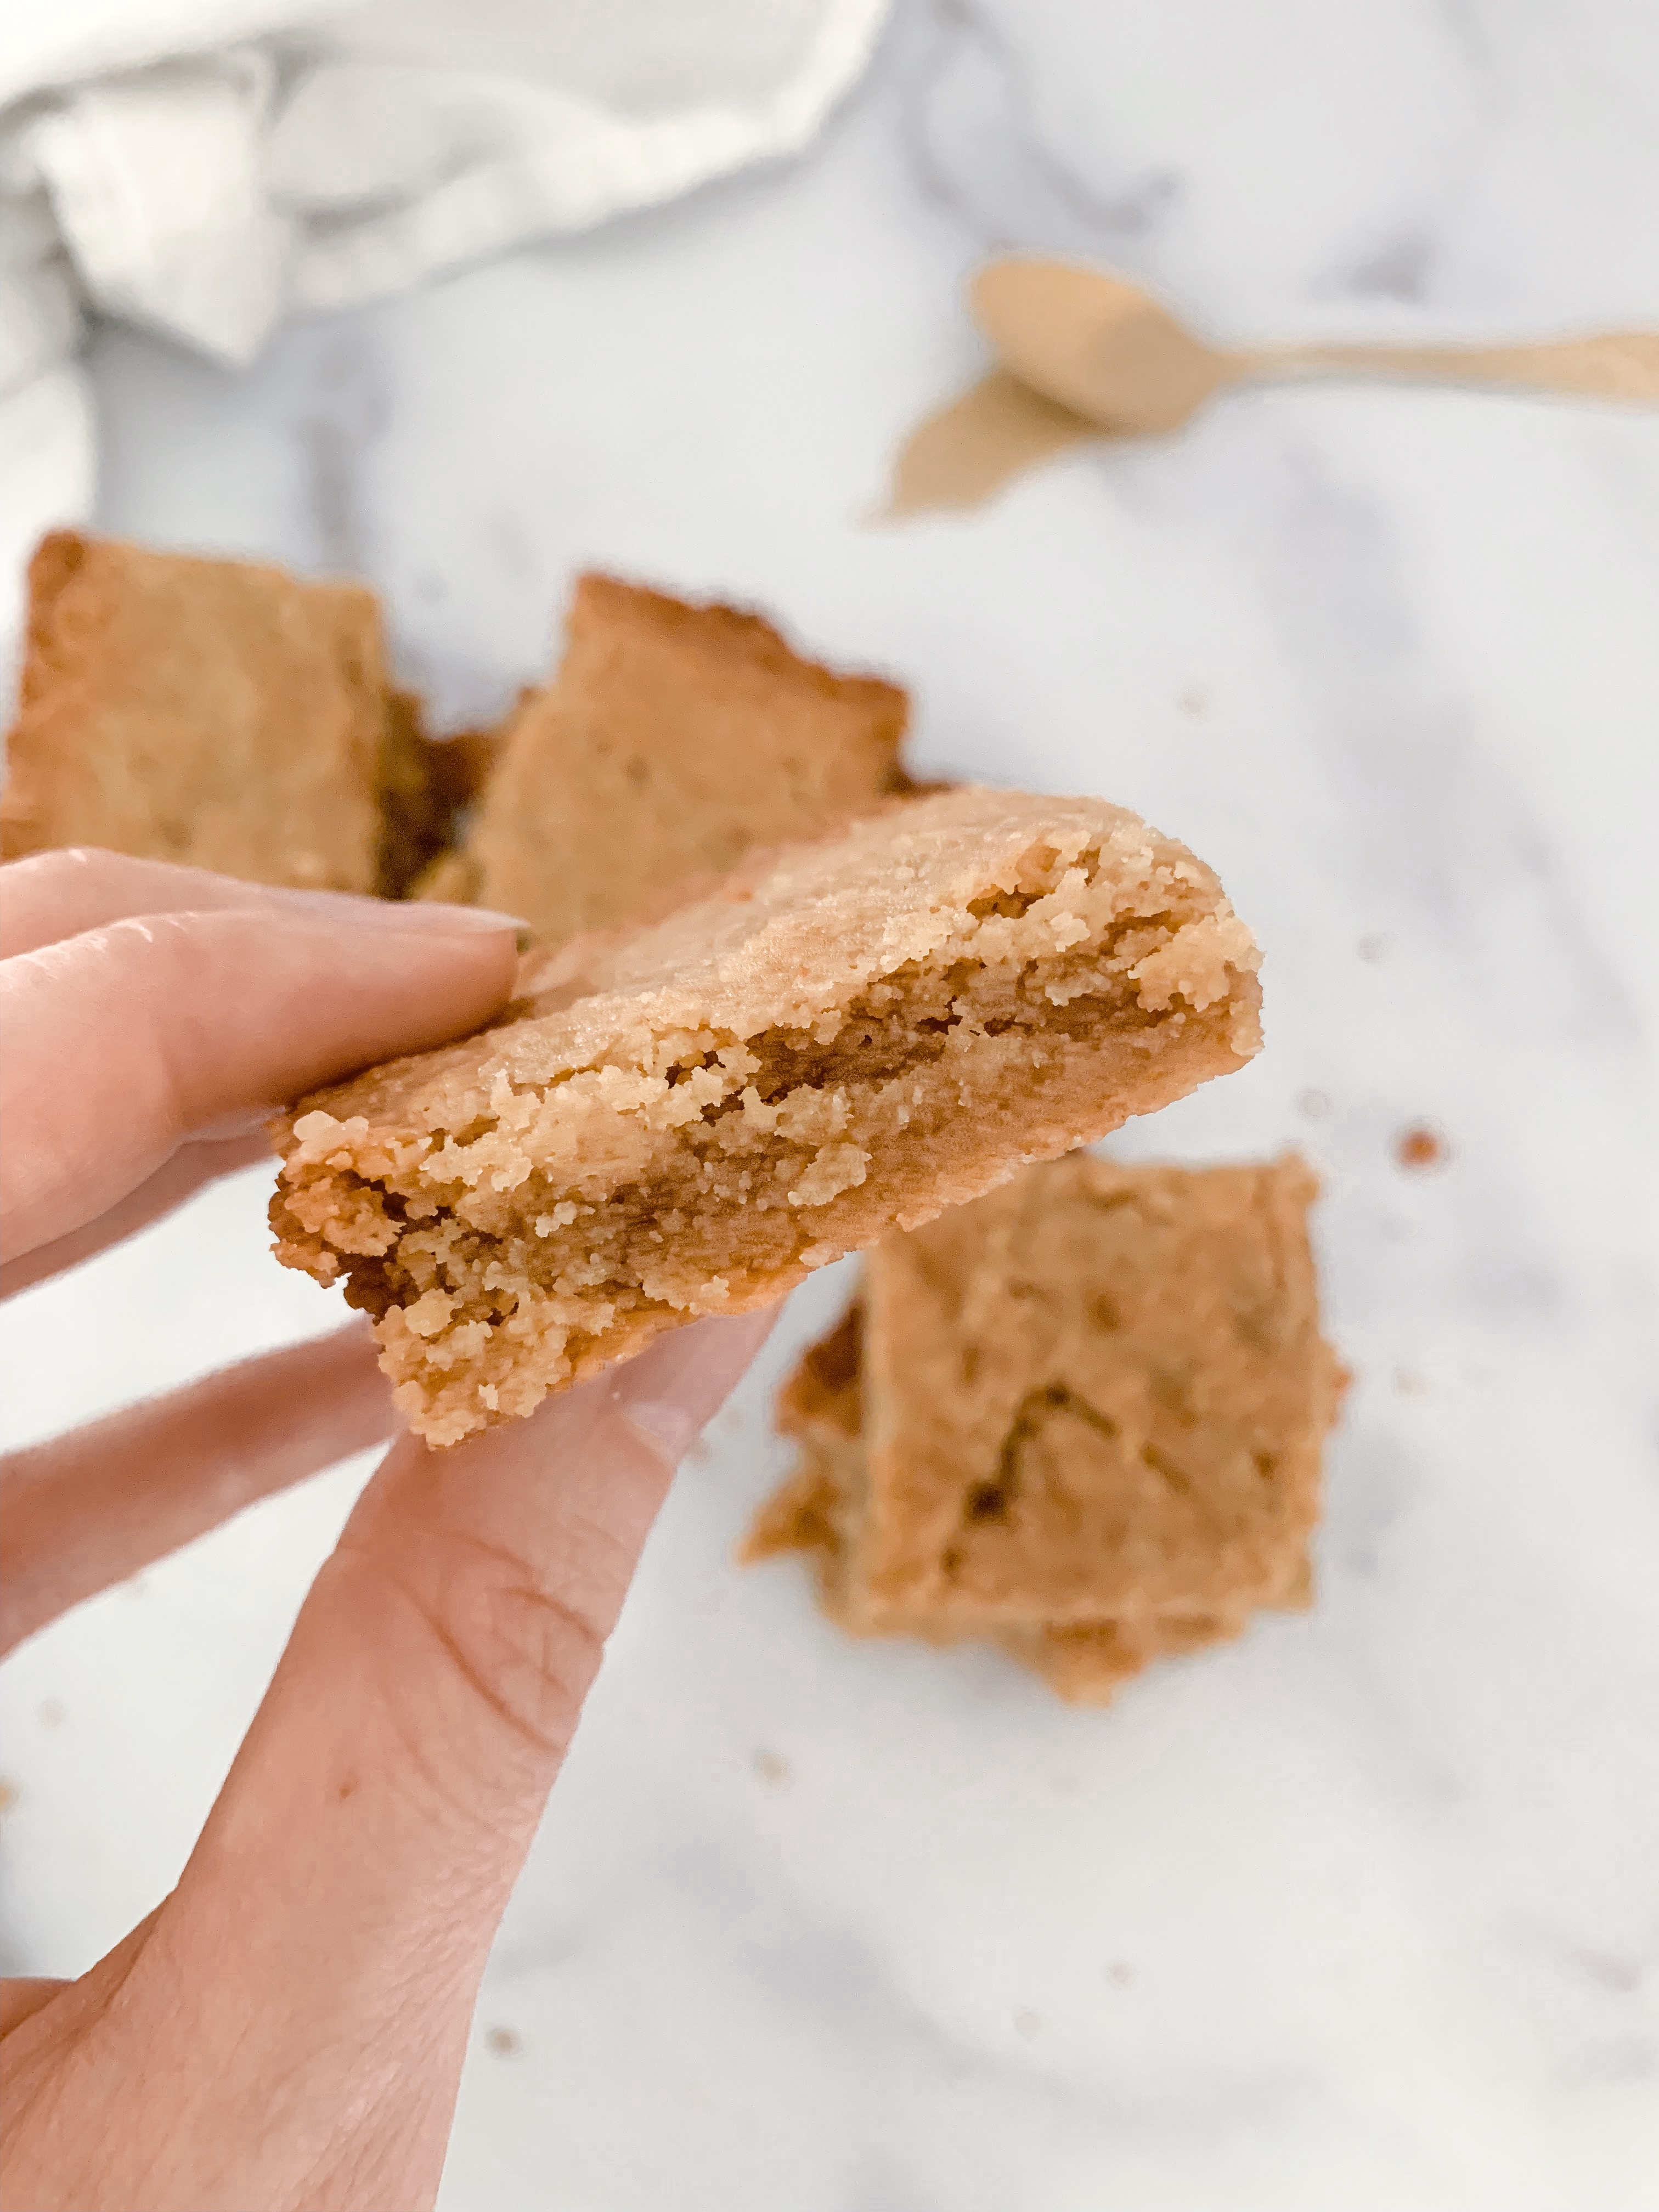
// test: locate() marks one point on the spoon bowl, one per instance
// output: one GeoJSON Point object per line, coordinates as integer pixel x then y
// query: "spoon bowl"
{"type": "Point", "coordinates": [1098, 345]}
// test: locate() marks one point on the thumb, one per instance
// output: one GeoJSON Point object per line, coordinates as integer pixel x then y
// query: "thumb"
{"type": "Point", "coordinates": [336, 1915]}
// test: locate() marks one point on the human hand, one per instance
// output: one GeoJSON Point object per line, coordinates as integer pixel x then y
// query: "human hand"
{"type": "Point", "coordinates": [285, 2032]}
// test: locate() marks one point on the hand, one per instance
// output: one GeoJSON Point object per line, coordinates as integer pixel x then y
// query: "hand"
{"type": "Point", "coordinates": [285, 2030]}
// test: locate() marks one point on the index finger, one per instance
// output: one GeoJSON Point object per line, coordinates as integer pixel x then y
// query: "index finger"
{"type": "Point", "coordinates": [122, 1041]}
{"type": "Point", "coordinates": [383, 1802]}
{"type": "Point", "coordinates": [51, 896]}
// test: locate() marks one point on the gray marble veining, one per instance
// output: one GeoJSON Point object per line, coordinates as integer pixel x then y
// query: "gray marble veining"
{"type": "Point", "coordinates": [1363, 1912]}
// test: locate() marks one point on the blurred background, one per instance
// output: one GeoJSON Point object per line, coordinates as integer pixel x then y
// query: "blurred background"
{"type": "Point", "coordinates": [1364, 1910]}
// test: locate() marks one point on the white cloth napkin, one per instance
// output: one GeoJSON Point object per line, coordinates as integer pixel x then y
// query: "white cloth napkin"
{"type": "Point", "coordinates": [205, 166]}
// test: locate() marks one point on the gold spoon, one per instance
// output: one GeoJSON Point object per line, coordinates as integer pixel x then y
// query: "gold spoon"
{"type": "Point", "coordinates": [1081, 353]}
{"type": "Point", "coordinates": [1113, 353]}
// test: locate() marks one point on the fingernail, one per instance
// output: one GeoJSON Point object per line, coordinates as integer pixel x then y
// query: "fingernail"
{"type": "Point", "coordinates": [418, 917]}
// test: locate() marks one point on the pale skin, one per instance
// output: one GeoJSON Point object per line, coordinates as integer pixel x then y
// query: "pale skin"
{"type": "Point", "coordinates": [285, 2032]}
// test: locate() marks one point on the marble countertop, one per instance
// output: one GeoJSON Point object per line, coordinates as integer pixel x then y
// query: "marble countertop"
{"type": "Point", "coordinates": [1363, 1911]}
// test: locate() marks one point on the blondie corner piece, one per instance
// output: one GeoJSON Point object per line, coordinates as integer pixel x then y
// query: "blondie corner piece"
{"type": "Point", "coordinates": [673, 740]}
{"type": "Point", "coordinates": [686, 1118]}
{"type": "Point", "coordinates": [219, 714]}
{"type": "Point", "coordinates": [1083, 1418]}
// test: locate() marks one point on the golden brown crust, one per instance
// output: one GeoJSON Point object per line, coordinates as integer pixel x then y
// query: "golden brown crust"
{"type": "Point", "coordinates": [825, 1393]}
{"type": "Point", "coordinates": [675, 739]}
{"type": "Point", "coordinates": [803, 1515]}
{"type": "Point", "coordinates": [426, 786]}
{"type": "Point", "coordinates": [214, 713]}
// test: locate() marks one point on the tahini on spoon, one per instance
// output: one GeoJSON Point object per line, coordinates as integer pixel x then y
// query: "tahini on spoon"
{"type": "Point", "coordinates": [1081, 353]}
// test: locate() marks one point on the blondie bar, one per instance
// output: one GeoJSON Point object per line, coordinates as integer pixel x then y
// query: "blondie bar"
{"type": "Point", "coordinates": [1082, 1416]}
{"type": "Point", "coordinates": [218, 714]}
{"type": "Point", "coordinates": [686, 1117]}
{"type": "Point", "coordinates": [673, 740]}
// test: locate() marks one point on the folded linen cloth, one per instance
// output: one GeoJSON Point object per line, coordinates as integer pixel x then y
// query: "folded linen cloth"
{"type": "Point", "coordinates": [205, 166]}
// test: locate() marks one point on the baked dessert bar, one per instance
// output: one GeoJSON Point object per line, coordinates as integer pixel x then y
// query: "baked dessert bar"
{"type": "Point", "coordinates": [687, 1117]}
{"type": "Point", "coordinates": [426, 786]}
{"type": "Point", "coordinates": [1083, 1416]}
{"type": "Point", "coordinates": [673, 740]}
{"type": "Point", "coordinates": [216, 713]}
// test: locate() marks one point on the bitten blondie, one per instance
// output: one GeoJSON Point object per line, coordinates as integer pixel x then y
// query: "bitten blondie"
{"type": "Point", "coordinates": [687, 1117]}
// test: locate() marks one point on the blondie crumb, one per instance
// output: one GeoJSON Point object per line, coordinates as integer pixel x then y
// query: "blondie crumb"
{"type": "Point", "coordinates": [686, 1118]}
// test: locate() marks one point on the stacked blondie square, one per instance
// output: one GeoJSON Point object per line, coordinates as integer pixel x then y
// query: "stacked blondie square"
{"type": "Point", "coordinates": [1082, 1418]}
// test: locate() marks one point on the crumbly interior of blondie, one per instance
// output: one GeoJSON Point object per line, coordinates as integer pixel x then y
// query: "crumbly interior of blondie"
{"type": "Point", "coordinates": [580, 1208]}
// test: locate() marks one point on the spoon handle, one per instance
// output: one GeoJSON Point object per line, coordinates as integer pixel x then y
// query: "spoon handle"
{"type": "Point", "coordinates": [1610, 365]}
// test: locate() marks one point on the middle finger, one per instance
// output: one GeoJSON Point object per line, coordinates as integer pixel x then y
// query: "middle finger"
{"type": "Point", "coordinates": [88, 1508]}
{"type": "Point", "coordinates": [201, 1160]}
{"type": "Point", "coordinates": [51, 896]}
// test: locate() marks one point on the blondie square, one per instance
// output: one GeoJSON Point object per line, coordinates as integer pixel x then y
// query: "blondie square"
{"type": "Point", "coordinates": [674, 739]}
{"type": "Point", "coordinates": [686, 1117]}
{"type": "Point", "coordinates": [816, 1512]}
{"type": "Point", "coordinates": [215, 713]}
{"type": "Point", "coordinates": [1083, 1416]}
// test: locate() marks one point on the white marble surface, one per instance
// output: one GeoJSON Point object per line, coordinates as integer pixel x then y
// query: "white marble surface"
{"type": "Point", "coordinates": [1364, 1912]}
